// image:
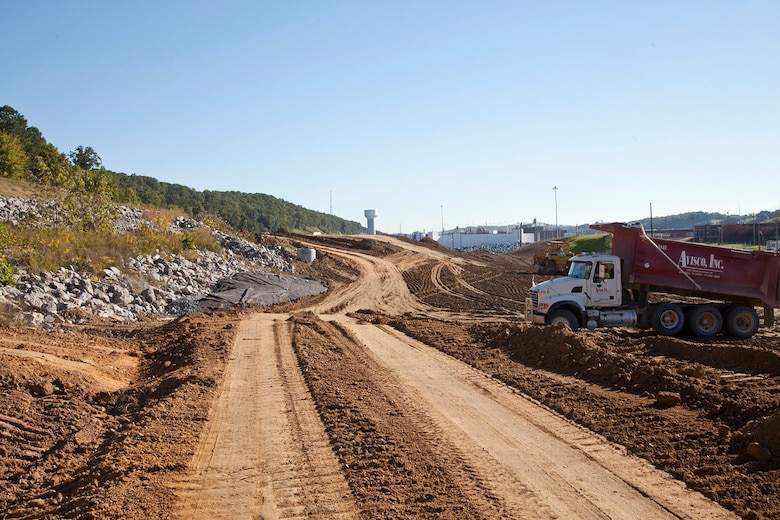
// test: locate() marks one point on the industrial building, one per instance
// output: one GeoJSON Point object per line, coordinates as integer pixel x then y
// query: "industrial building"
{"type": "Point", "coordinates": [469, 238]}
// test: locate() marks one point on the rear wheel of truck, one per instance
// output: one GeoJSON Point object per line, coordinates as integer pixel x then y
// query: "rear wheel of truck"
{"type": "Point", "coordinates": [563, 317]}
{"type": "Point", "coordinates": [741, 321]}
{"type": "Point", "coordinates": [704, 321]}
{"type": "Point", "coordinates": [668, 319]}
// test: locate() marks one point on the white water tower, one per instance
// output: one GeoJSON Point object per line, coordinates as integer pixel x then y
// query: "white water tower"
{"type": "Point", "coordinates": [370, 215]}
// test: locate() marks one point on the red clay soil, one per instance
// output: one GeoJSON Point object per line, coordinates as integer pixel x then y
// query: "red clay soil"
{"type": "Point", "coordinates": [97, 420]}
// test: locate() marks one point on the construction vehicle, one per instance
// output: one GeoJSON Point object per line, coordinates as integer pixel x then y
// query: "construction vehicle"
{"type": "Point", "coordinates": [671, 286]}
{"type": "Point", "coordinates": [555, 258]}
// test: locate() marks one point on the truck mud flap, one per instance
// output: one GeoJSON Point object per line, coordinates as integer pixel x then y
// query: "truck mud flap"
{"type": "Point", "coordinates": [769, 316]}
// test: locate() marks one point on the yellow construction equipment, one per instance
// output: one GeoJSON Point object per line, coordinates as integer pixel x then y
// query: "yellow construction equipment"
{"type": "Point", "coordinates": [555, 258]}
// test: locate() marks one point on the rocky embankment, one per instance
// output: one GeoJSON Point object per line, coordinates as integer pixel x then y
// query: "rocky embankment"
{"type": "Point", "coordinates": [146, 284]}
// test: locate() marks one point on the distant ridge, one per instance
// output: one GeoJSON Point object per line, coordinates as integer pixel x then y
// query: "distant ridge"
{"type": "Point", "coordinates": [252, 212]}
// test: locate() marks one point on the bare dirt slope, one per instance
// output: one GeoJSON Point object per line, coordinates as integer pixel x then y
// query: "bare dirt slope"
{"type": "Point", "coordinates": [410, 389]}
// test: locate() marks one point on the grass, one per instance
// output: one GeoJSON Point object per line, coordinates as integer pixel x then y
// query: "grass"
{"type": "Point", "coordinates": [17, 188]}
{"type": "Point", "coordinates": [48, 249]}
{"type": "Point", "coordinates": [601, 243]}
{"type": "Point", "coordinates": [39, 247]}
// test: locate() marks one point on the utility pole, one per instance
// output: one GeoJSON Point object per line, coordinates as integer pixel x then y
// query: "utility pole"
{"type": "Point", "coordinates": [555, 190]}
{"type": "Point", "coordinates": [755, 221]}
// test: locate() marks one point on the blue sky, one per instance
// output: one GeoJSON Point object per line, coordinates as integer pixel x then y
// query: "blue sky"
{"type": "Point", "coordinates": [461, 112]}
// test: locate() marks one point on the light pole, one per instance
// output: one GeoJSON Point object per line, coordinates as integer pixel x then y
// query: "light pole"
{"type": "Point", "coordinates": [777, 239]}
{"type": "Point", "coordinates": [755, 219]}
{"type": "Point", "coordinates": [555, 190]}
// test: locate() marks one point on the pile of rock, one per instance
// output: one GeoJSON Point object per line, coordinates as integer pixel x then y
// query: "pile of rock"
{"type": "Point", "coordinates": [17, 209]}
{"type": "Point", "coordinates": [147, 284]}
{"type": "Point", "coordinates": [493, 248]}
{"type": "Point", "coordinates": [129, 219]}
{"type": "Point", "coordinates": [269, 257]}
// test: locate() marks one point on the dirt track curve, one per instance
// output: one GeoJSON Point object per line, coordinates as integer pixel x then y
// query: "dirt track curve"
{"type": "Point", "coordinates": [323, 414]}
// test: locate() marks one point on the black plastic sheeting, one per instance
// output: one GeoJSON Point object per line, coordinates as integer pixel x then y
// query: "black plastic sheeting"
{"type": "Point", "coordinates": [258, 288]}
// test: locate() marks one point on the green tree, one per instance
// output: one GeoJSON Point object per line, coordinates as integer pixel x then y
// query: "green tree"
{"type": "Point", "coordinates": [50, 167]}
{"type": "Point", "coordinates": [12, 122]}
{"type": "Point", "coordinates": [87, 202]}
{"type": "Point", "coordinates": [13, 159]}
{"type": "Point", "coordinates": [85, 158]}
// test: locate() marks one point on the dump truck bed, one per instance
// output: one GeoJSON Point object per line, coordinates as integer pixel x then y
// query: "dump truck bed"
{"type": "Point", "coordinates": [691, 269]}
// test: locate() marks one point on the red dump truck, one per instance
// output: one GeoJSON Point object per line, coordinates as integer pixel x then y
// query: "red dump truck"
{"type": "Point", "coordinates": [669, 285]}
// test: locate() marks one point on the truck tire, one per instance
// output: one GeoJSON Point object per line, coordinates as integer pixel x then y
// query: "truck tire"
{"type": "Point", "coordinates": [704, 321]}
{"type": "Point", "coordinates": [668, 319]}
{"type": "Point", "coordinates": [741, 321]}
{"type": "Point", "coordinates": [565, 318]}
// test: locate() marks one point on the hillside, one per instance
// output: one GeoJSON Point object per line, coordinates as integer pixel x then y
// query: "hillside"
{"type": "Point", "coordinates": [251, 212]}
{"type": "Point", "coordinates": [25, 155]}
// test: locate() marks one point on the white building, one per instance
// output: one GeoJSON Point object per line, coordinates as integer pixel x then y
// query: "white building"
{"type": "Point", "coordinates": [461, 239]}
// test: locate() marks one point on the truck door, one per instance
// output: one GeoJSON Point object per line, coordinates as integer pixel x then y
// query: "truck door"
{"type": "Point", "coordinates": [603, 288]}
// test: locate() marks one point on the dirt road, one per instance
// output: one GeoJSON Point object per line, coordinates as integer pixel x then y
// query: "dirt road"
{"type": "Point", "coordinates": [267, 454]}
{"type": "Point", "coordinates": [538, 463]}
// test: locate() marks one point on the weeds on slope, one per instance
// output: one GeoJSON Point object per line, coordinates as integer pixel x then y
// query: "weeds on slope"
{"type": "Point", "coordinates": [47, 248]}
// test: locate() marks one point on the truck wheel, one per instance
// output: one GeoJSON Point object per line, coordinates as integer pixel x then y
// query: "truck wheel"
{"type": "Point", "coordinates": [741, 321]}
{"type": "Point", "coordinates": [668, 319]}
{"type": "Point", "coordinates": [563, 317]}
{"type": "Point", "coordinates": [704, 321]}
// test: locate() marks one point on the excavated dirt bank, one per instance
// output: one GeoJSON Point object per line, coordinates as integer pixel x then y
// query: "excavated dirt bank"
{"type": "Point", "coordinates": [80, 444]}
{"type": "Point", "coordinates": [611, 382]}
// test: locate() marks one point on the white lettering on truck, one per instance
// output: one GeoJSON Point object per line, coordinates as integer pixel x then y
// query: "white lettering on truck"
{"type": "Point", "coordinates": [700, 262]}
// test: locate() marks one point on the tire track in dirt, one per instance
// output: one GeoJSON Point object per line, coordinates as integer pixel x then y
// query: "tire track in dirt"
{"type": "Point", "coordinates": [509, 304]}
{"type": "Point", "coordinates": [381, 287]}
{"type": "Point", "coordinates": [265, 453]}
{"type": "Point", "coordinates": [539, 463]}
{"type": "Point", "coordinates": [437, 278]}
{"type": "Point", "coordinates": [397, 462]}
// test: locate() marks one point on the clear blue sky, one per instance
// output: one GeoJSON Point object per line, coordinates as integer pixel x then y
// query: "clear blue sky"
{"type": "Point", "coordinates": [466, 112]}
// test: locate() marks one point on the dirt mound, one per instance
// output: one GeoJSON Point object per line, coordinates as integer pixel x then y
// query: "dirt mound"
{"type": "Point", "coordinates": [378, 246]}
{"type": "Point", "coordinates": [616, 382]}
{"type": "Point", "coordinates": [78, 449]}
{"type": "Point", "coordinates": [766, 432]}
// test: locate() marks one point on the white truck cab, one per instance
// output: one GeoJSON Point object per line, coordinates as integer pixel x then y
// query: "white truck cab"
{"type": "Point", "coordinates": [588, 295]}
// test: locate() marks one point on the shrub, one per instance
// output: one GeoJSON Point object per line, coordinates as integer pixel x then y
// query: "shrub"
{"type": "Point", "coordinates": [7, 276]}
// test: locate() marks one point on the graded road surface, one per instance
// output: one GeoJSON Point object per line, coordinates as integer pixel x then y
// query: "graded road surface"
{"type": "Point", "coordinates": [453, 442]}
{"type": "Point", "coordinates": [265, 453]}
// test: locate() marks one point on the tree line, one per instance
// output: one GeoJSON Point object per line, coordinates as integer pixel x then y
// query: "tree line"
{"type": "Point", "coordinates": [90, 192]}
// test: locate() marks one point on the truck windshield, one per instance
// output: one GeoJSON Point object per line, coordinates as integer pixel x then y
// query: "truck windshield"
{"type": "Point", "coordinates": [580, 270]}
